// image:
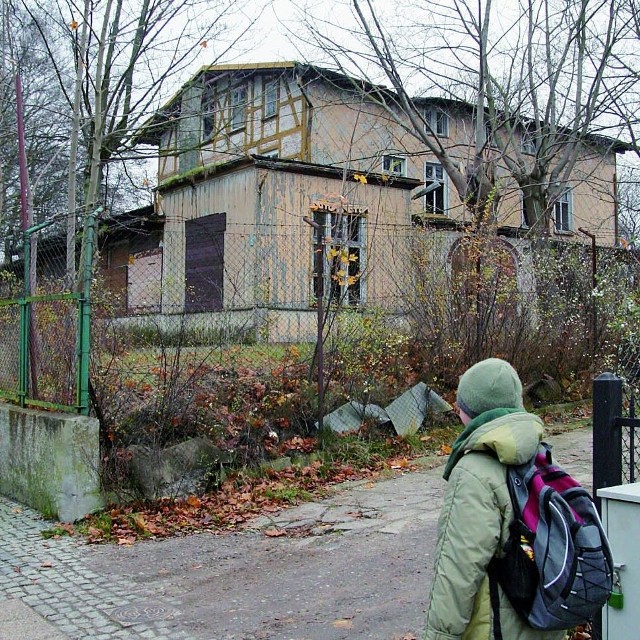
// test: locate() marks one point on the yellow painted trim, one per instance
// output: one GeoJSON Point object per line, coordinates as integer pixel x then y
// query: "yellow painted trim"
{"type": "Point", "coordinates": [247, 66]}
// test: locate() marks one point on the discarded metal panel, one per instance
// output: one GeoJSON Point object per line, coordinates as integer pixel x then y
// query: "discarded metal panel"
{"type": "Point", "coordinates": [409, 410]}
{"type": "Point", "coordinates": [349, 416]}
{"type": "Point", "coordinates": [406, 413]}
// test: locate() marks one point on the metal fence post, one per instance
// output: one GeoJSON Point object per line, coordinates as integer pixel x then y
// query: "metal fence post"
{"type": "Point", "coordinates": [607, 447]}
{"type": "Point", "coordinates": [25, 308]}
{"type": "Point", "coordinates": [607, 437]}
{"type": "Point", "coordinates": [84, 319]}
{"type": "Point", "coordinates": [319, 249]}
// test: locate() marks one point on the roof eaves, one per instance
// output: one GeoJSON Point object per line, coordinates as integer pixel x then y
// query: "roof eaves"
{"type": "Point", "coordinates": [281, 164]}
{"type": "Point", "coordinates": [296, 166]}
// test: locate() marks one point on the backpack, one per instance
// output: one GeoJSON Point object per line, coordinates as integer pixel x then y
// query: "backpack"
{"type": "Point", "coordinates": [557, 570]}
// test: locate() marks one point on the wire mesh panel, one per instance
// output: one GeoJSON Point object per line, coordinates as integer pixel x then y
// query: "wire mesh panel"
{"type": "Point", "coordinates": [9, 353]}
{"type": "Point", "coordinates": [53, 344]}
{"type": "Point", "coordinates": [44, 313]}
{"type": "Point", "coordinates": [628, 369]}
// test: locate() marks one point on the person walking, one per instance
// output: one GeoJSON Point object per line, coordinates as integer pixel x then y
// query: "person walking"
{"type": "Point", "coordinates": [476, 513]}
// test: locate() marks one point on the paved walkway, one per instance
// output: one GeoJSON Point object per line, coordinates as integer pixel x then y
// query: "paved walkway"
{"type": "Point", "coordinates": [49, 590]}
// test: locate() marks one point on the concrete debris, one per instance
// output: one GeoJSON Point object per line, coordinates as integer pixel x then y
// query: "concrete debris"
{"type": "Point", "coordinates": [408, 412]}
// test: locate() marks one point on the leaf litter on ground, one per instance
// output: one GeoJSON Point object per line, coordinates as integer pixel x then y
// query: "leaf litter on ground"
{"type": "Point", "coordinates": [243, 497]}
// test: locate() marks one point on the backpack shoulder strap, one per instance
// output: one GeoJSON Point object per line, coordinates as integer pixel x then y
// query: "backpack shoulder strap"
{"type": "Point", "coordinates": [494, 595]}
{"type": "Point", "coordinates": [518, 478]}
{"type": "Point", "coordinates": [545, 448]}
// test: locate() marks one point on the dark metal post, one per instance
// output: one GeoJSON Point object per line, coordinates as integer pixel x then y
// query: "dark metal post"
{"type": "Point", "coordinates": [607, 447]}
{"type": "Point", "coordinates": [319, 249]}
{"type": "Point", "coordinates": [607, 437]}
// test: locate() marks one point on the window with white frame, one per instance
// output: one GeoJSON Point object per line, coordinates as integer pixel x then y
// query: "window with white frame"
{"type": "Point", "coordinates": [343, 256]}
{"type": "Point", "coordinates": [394, 165]}
{"type": "Point", "coordinates": [436, 198]}
{"type": "Point", "coordinates": [270, 98]}
{"type": "Point", "coordinates": [238, 104]}
{"type": "Point", "coordinates": [437, 120]}
{"type": "Point", "coordinates": [562, 212]}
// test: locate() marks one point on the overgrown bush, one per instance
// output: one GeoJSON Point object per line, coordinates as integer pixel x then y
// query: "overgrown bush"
{"type": "Point", "coordinates": [479, 297]}
{"type": "Point", "coordinates": [367, 357]}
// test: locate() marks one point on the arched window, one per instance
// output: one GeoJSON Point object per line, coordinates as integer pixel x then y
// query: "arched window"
{"type": "Point", "coordinates": [484, 283]}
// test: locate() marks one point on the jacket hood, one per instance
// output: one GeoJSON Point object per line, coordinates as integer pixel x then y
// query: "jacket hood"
{"type": "Point", "coordinates": [513, 438]}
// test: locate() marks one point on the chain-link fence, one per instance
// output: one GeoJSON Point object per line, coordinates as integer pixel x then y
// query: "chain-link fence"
{"type": "Point", "coordinates": [629, 371]}
{"type": "Point", "coordinates": [44, 313]}
{"type": "Point", "coordinates": [183, 308]}
{"type": "Point", "coordinates": [197, 300]}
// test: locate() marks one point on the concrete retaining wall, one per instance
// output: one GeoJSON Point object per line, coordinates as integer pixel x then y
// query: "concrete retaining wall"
{"type": "Point", "coordinates": [50, 462]}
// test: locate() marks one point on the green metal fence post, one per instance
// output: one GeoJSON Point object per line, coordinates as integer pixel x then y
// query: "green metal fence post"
{"type": "Point", "coordinates": [84, 319]}
{"type": "Point", "coordinates": [23, 354]}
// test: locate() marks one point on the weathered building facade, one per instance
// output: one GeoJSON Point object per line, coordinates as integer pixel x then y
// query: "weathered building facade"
{"type": "Point", "coordinates": [262, 166]}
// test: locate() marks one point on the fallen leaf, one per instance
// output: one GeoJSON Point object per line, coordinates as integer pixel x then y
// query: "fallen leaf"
{"type": "Point", "coordinates": [126, 541]}
{"type": "Point", "coordinates": [140, 522]}
{"type": "Point", "coordinates": [194, 501]}
{"type": "Point", "coordinates": [47, 564]}
{"type": "Point", "coordinates": [95, 533]}
{"type": "Point", "coordinates": [343, 624]}
{"type": "Point", "coordinates": [274, 532]}
{"type": "Point", "coordinates": [271, 508]}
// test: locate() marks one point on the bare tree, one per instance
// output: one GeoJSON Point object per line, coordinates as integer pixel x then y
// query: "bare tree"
{"type": "Point", "coordinates": [115, 62]}
{"type": "Point", "coordinates": [539, 81]}
{"type": "Point", "coordinates": [21, 51]}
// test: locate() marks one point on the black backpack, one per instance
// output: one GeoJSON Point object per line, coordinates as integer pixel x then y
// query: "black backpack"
{"type": "Point", "coordinates": [557, 568]}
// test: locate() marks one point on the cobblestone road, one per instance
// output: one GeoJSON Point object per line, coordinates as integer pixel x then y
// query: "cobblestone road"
{"type": "Point", "coordinates": [53, 579]}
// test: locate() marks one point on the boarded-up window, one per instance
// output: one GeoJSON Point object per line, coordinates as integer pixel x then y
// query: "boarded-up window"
{"type": "Point", "coordinates": [144, 286]}
{"type": "Point", "coordinates": [114, 261]}
{"type": "Point", "coordinates": [204, 263]}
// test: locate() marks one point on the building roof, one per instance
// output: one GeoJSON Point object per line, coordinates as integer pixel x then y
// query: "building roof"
{"type": "Point", "coordinates": [152, 129]}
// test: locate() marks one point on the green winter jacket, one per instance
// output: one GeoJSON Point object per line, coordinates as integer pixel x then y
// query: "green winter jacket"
{"type": "Point", "coordinates": [474, 525]}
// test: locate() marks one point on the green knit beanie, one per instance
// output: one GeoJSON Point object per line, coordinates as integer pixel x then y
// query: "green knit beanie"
{"type": "Point", "coordinates": [490, 384]}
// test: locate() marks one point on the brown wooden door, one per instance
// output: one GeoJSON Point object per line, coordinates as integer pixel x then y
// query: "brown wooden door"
{"type": "Point", "coordinates": [204, 263]}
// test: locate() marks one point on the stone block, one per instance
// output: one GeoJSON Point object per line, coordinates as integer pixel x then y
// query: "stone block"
{"type": "Point", "coordinates": [50, 461]}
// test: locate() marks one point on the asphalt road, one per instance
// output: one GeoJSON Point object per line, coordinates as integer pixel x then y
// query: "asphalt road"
{"type": "Point", "coordinates": [366, 574]}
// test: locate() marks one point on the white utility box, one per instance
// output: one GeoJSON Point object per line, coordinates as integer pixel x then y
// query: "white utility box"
{"type": "Point", "coordinates": [621, 520]}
